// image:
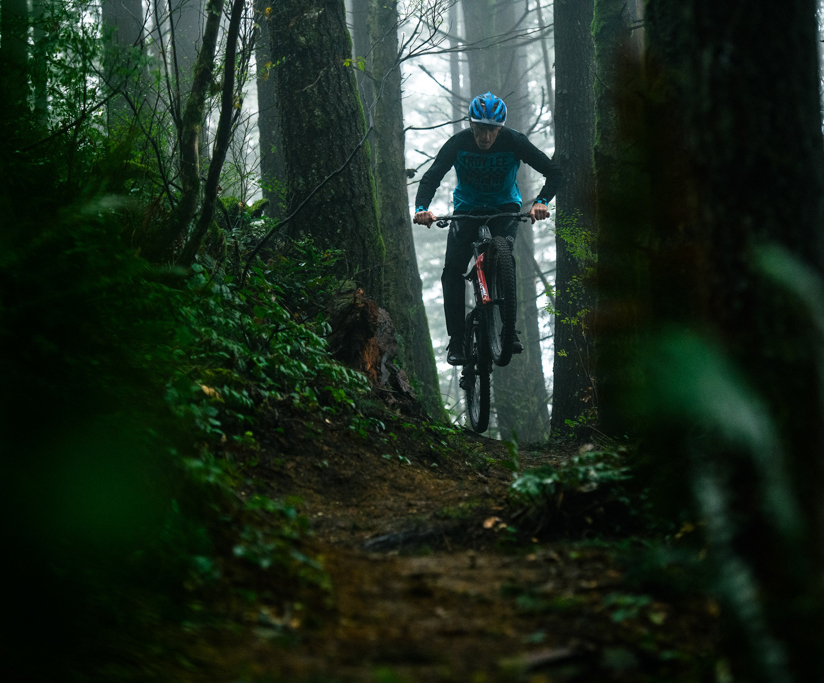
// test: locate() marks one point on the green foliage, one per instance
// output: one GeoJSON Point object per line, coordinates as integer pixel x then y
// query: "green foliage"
{"type": "Point", "coordinates": [583, 473]}
{"type": "Point", "coordinates": [570, 303]}
{"type": "Point", "coordinates": [141, 385]}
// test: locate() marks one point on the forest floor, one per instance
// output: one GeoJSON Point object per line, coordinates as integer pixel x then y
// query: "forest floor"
{"type": "Point", "coordinates": [432, 581]}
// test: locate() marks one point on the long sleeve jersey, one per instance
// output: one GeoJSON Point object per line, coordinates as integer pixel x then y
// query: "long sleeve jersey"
{"type": "Point", "coordinates": [487, 178]}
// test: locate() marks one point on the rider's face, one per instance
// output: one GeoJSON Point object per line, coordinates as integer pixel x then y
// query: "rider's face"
{"type": "Point", "coordinates": [485, 136]}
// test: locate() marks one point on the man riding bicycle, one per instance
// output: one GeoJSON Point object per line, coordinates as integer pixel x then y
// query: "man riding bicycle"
{"type": "Point", "coordinates": [486, 157]}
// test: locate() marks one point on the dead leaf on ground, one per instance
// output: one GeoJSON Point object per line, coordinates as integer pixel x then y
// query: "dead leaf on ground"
{"type": "Point", "coordinates": [491, 522]}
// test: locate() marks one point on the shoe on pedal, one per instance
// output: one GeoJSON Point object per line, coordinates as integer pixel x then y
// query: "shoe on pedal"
{"type": "Point", "coordinates": [517, 345]}
{"type": "Point", "coordinates": [455, 354]}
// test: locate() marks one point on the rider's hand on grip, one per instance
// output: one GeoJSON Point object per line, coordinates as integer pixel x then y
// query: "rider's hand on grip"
{"type": "Point", "coordinates": [425, 218]}
{"type": "Point", "coordinates": [539, 212]}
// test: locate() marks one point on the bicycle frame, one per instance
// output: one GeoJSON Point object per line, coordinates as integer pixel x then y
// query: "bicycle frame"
{"type": "Point", "coordinates": [480, 352]}
{"type": "Point", "coordinates": [476, 274]}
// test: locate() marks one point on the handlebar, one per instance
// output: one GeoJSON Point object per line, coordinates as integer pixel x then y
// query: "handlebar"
{"type": "Point", "coordinates": [444, 221]}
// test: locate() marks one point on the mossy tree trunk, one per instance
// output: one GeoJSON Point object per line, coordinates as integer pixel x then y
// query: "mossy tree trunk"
{"type": "Point", "coordinates": [739, 169]}
{"type": "Point", "coordinates": [323, 131]}
{"type": "Point", "coordinates": [174, 238]}
{"type": "Point", "coordinates": [402, 292]}
{"type": "Point", "coordinates": [573, 389]}
{"type": "Point", "coordinates": [621, 202]}
{"type": "Point", "coordinates": [184, 30]}
{"type": "Point", "coordinates": [272, 170]}
{"type": "Point", "coordinates": [362, 52]}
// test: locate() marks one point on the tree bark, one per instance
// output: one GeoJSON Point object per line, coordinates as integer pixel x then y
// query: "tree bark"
{"type": "Point", "coordinates": [14, 23]}
{"type": "Point", "coordinates": [186, 25]}
{"type": "Point", "coordinates": [573, 390]}
{"type": "Point", "coordinates": [323, 134]}
{"type": "Point", "coordinates": [362, 50]}
{"type": "Point", "coordinates": [39, 70]}
{"type": "Point", "coordinates": [748, 173]}
{"type": "Point", "coordinates": [550, 91]}
{"type": "Point", "coordinates": [185, 30]}
{"type": "Point", "coordinates": [402, 292]}
{"type": "Point", "coordinates": [124, 20]}
{"type": "Point", "coordinates": [621, 199]}
{"type": "Point", "coordinates": [458, 105]}
{"type": "Point", "coordinates": [272, 171]}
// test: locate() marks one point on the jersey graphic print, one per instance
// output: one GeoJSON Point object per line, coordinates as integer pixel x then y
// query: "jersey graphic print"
{"type": "Point", "coordinates": [486, 179]}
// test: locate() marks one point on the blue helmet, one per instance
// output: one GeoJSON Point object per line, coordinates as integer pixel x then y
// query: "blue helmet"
{"type": "Point", "coordinates": [487, 109]}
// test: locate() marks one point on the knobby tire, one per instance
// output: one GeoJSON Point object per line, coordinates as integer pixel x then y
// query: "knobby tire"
{"type": "Point", "coordinates": [500, 314]}
{"type": "Point", "coordinates": [476, 375]}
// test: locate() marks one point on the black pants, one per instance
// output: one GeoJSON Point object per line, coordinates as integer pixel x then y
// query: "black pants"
{"type": "Point", "coordinates": [458, 254]}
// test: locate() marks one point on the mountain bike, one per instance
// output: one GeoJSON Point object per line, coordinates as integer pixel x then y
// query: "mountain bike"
{"type": "Point", "coordinates": [490, 326]}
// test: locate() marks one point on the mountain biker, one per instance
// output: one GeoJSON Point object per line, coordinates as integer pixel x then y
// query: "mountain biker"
{"type": "Point", "coordinates": [486, 157]}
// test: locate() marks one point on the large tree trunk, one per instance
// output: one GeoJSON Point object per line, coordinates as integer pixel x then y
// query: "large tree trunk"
{"type": "Point", "coordinates": [272, 170]}
{"type": "Point", "coordinates": [748, 172]}
{"type": "Point", "coordinates": [620, 204]}
{"type": "Point", "coordinates": [403, 292]}
{"type": "Point", "coordinates": [39, 69]}
{"type": "Point", "coordinates": [14, 23]}
{"type": "Point", "coordinates": [573, 389]}
{"type": "Point", "coordinates": [324, 138]}
{"type": "Point", "coordinates": [362, 52]}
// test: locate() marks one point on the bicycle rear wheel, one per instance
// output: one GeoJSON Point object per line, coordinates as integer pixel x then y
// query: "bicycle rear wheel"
{"type": "Point", "coordinates": [500, 314]}
{"type": "Point", "coordinates": [475, 377]}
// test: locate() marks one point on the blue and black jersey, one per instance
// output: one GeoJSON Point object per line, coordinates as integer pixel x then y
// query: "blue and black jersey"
{"type": "Point", "coordinates": [487, 178]}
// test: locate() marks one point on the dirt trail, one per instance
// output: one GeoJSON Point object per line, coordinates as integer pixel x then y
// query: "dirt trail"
{"type": "Point", "coordinates": [430, 583]}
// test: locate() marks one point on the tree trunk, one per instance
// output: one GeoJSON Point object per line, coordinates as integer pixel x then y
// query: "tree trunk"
{"type": "Point", "coordinates": [14, 23]}
{"type": "Point", "coordinates": [222, 137]}
{"type": "Point", "coordinates": [186, 27]}
{"type": "Point", "coordinates": [362, 52]}
{"type": "Point", "coordinates": [620, 202]}
{"type": "Point", "coordinates": [458, 105]}
{"type": "Point", "coordinates": [402, 293]}
{"type": "Point", "coordinates": [123, 20]}
{"type": "Point", "coordinates": [185, 30]}
{"type": "Point", "coordinates": [39, 73]}
{"type": "Point", "coordinates": [573, 392]}
{"type": "Point", "coordinates": [479, 24]}
{"type": "Point", "coordinates": [550, 91]}
{"type": "Point", "coordinates": [192, 124]}
{"type": "Point", "coordinates": [324, 138]}
{"type": "Point", "coordinates": [708, 66]}
{"type": "Point", "coordinates": [272, 171]}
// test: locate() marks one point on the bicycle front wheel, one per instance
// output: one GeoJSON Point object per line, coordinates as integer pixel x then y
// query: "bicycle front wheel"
{"type": "Point", "coordinates": [475, 377]}
{"type": "Point", "coordinates": [500, 313]}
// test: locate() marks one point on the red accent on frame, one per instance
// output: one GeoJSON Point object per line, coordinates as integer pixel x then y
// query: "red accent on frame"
{"type": "Point", "coordinates": [479, 267]}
